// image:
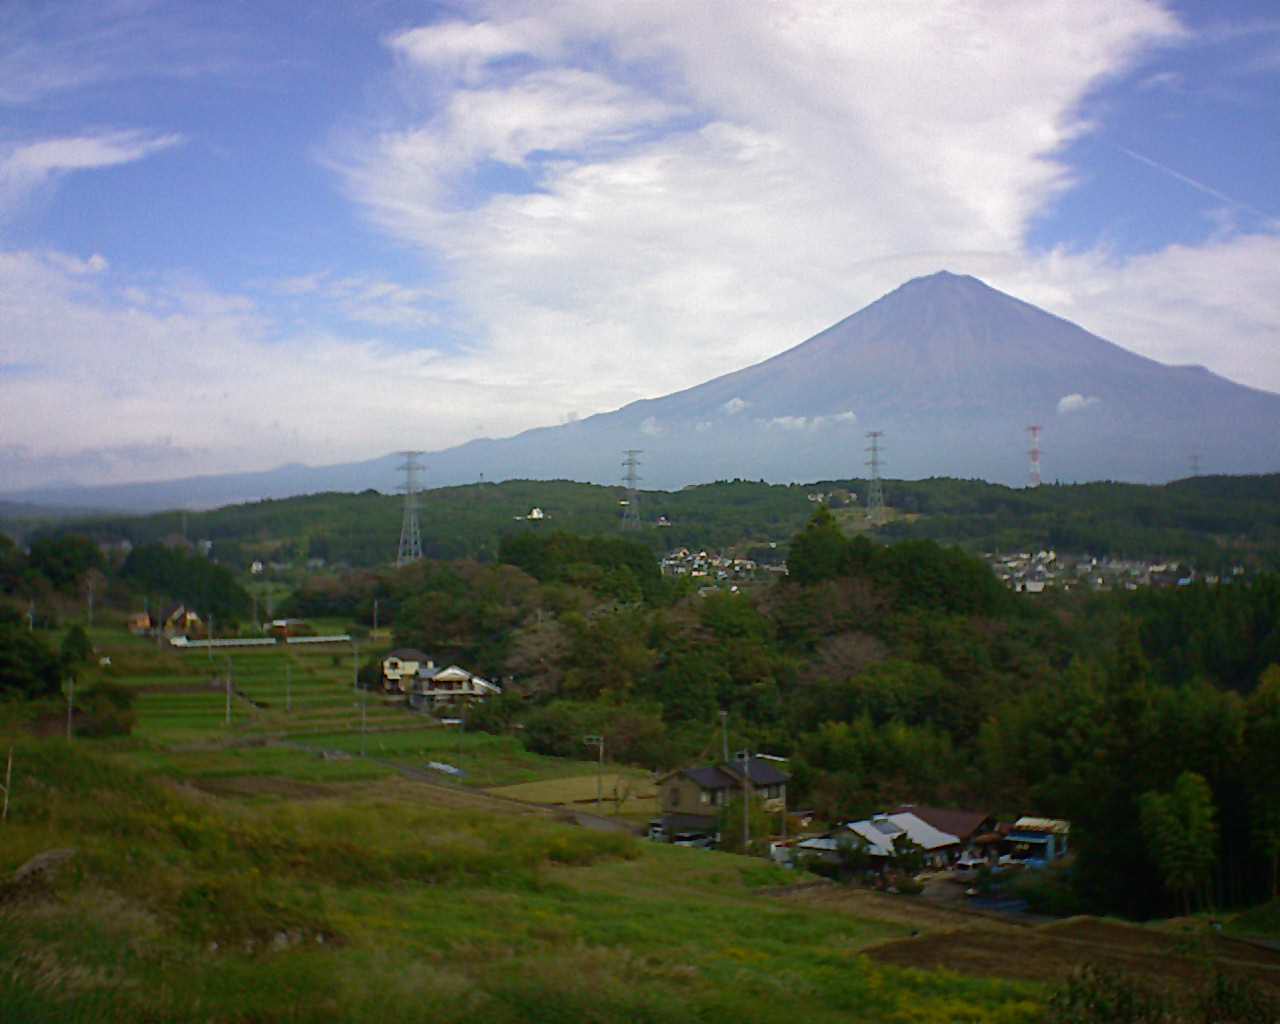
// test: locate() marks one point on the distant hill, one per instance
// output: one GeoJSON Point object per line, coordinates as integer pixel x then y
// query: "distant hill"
{"type": "Point", "coordinates": [951, 370]}
{"type": "Point", "coordinates": [1212, 522]}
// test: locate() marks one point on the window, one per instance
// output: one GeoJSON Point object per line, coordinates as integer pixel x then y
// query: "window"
{"type": "Point", "coordinates": [673, 797]}
{"type": "Point", "coordinates": [704, 796]}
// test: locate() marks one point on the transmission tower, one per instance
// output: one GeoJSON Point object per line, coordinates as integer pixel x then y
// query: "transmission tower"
{"type": "Point", "coordinates": [410, 533]}
{"type": "Point", "coordinates": [631, 505]}
{"type": "Point", "coordinates": [1034, 431]}
{"type": "Point", "coordinates": [875, 493]}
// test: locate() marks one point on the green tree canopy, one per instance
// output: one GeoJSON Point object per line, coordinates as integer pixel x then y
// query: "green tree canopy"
{"type": "Point", "coordinates": [1182, 834]}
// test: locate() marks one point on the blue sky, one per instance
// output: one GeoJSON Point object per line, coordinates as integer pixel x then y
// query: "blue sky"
{"type": "Point", "coordinates": [235, 235]}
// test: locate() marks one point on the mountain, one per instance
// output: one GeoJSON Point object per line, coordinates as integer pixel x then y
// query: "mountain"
{"type": "Point", "coordinates": [951, 370]}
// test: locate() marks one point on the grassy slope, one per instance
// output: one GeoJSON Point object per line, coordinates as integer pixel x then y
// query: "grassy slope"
{"type": "Point", "coordinates": [228, 873]}
{"type": "Point", "coordinates": [386, 905]}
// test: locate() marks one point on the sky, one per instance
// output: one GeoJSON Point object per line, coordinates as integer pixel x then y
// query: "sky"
{"type": "Point", "coordinates": [242, 234]}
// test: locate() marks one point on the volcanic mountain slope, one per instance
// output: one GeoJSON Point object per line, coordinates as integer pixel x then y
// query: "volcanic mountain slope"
{"type": "Point", "coordinates": [951, 370]}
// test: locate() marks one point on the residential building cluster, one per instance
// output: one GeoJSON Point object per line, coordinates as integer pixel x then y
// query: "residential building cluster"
{"type": "Point", "coordinates": [1036, 572]}
{"type": "Point", "coordinates": [714, 569]}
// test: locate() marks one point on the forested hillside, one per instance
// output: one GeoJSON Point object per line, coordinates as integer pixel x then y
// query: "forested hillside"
{"type": "Point", "coordinates": [1206, 522]}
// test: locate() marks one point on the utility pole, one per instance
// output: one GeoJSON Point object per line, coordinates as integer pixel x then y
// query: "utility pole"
{"type": "Point", "coordinates": [208, 646]}
{"type": "Point", "coordinates": [71, 703]}
{"type": "Point", "coordinates": [375, 615]}
{"type": "Point", "coordinates": [598, 742]}
{"type": "Point", "coordinates": [364, 723]}
{"type": "Point", "coordinates": [1033, 479]}
{"type": "Point", "coordinates": [745, 760]}
{"type": "Point", "coordinates": [355, 665]}
{"type": "Point", "coordinates": [724, 734]}
{"type": "Point", "coordinates": [875, 493]}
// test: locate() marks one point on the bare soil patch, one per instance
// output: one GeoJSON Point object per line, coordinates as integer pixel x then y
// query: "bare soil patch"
{"type": "Point", "coordinates": [263, 785]}
{"type": "Point", "coordinates": [878, 906]}
{"type": "Point", "coordinates": [1047, 954]}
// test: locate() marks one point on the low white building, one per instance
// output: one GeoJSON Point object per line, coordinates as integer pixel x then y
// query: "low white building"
{"type": "Point", "coordinates": [876, 835]}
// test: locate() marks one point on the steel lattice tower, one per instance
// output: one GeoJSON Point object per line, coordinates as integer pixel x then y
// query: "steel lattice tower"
{"type": "Point", "coordinates": [875, 493]}
{"type": "Point", "coordinates": [1034, 431]}
{"type": "Point", "coordinates": [631, 508]}
{"type": "Point", "coordinates": [410, 532]}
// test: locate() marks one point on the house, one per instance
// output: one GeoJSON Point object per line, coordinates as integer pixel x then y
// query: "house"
{"type": "Point", "coordinates": [967, 826]}
{"type": "Point", "coordinates": [449, 686]}
{"type": "Point", "coordinates": [691, 798]}
{"type": "Point", "coordinates": [140, 623]}
{"type": "Point", "coordinates": [179, 620]}
{"type": "Point", "coordinates": [1038, 841]}
{"type": "Point", "coordinates": [877, 835]}
{"type": "Point", "coordinates": [408, 670]}
{"type": "Point", "coordinates": [401, 666]}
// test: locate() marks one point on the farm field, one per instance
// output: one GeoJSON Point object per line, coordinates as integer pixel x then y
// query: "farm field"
{"type": "Point", "coordinates": [629, 794]}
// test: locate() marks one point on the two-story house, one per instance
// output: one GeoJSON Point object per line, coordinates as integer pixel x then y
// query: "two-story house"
{"type": "Point", "coordinates": [691, 798]}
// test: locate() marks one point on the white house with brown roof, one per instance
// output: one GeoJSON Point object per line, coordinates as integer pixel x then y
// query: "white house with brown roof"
{"type": "Point", "coordinates": [408, 670]}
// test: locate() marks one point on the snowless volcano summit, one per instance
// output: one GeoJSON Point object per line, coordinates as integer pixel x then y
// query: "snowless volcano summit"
{"type": "Point", "coordinates": [951, 370]}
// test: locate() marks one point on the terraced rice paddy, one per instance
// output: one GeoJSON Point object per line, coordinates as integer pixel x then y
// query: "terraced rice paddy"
{"type": "Point", "coordinates": [295, 714]}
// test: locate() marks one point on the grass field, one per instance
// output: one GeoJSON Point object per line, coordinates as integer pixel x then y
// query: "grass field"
{"type": "Point", "coordinates": [384, 900]}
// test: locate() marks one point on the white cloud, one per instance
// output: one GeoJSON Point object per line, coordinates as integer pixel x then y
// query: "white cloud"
{"type": "Point", "coordinates": [702, 185]}
{"type": "Point", "coordinates": [25, 167]}
{"type": "Point", "coordinates": [211, 372]}
{"type": "Point", "coordinates": [810, 422]}
{"type": "Point", "coordinates": [651, 427]}
{"type": "Point", "coordinates": [1076, 403]}
{"type": "Point", "coordinates": [789, 422]}
{"type": "Point", "coordinates": [734, 406]}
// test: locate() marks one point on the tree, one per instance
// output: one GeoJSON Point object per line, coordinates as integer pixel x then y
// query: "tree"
{"type": "Point", "coordinates": [1262, 740]}
{"type": "Point", "coordinates": [76, 648]}
{"type": "Point", "coordinates": [63, 560]}
{"type": "Point", "coordinates": [818, 552]}
{"type": "Point", "coordinates": [1181, 834]}
{"type": "Point", "coordinates": [908, 855]}
{"type": "Point", "coordinates": [759, 823]}
{"type": "Point", "coordinates": [27, 667]}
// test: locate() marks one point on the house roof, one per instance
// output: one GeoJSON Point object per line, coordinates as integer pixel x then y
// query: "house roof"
{"type": "Point", "coordinates": [880, 832]}
{"type": "Point", "coordinates": [407, 654]}
{"type": "Point", "coordinates": [1044, 826]}
{"type": "Point", "coordinates": [964, 824]}
{"type": "Point", "coordinates": [728, 776]}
